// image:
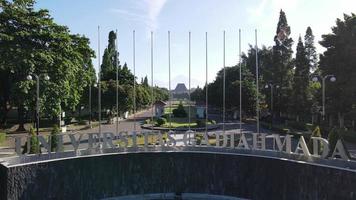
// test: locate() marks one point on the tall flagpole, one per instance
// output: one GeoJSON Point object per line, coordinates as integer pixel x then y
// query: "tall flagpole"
{"type": "Point", "coordinates": [117, 85]}
{"type": "Point", "coordinates": [206, 82]}
{"type": "Point", "coordinates": [134, 79]}
{"type": "Point", "coordinates": [240, 80]}
{"type": "Point", "coordinates": [224, 93]}
{"type": "Point", "coordinates": [169, 77]}
{"type": "Point", "coordinates": [99, 80]}
{"type": "Point", "coordinates": [152, 98]}
{"type": "Point", "coordinates": [189, 78]}
{"type": "Point", "coordinates": [257, 89]}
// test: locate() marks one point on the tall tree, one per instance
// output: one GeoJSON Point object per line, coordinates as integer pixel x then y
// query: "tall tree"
{"type": "Point", "coordinates": [108, 67]}
{"type": "Point", "coordinates": [300, 101]}
{"type": "Point", "coordinates": [339, 59]}
{"type": "Point", "coordinates": [310, 50]}
{"type": "Point", "coordinates": [32, 43]}
{"type": "Point", "coordinates": [282, 66]}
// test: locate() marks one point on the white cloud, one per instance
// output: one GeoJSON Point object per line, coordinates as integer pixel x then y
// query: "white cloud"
{"type": "Point", "coordinates": [154, 9]}
{"type": "Point", "coordinates": [145, 11]}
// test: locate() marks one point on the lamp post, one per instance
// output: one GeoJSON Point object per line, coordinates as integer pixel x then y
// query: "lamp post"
{"type": "Point", "coordinates": [90, 110]}
{"type": "Point", "coordinates": [316, 78]}
{"type": "Point", "coordinates": [271, 86]}
{"type": "Point", "coordinates": [29, 77]}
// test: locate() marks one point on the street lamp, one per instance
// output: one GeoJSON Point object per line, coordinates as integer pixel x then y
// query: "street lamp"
{"type": "Point", "coordinates": [316, 78]}
{"type": "Point", "coordinates": [271, 86]}
{"type": "Point", "coordinates": [90, 112]}
{"type": "Point", "coordinates": [29, 77]}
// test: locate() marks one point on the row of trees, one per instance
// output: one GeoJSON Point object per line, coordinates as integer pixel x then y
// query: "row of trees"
{"type": "Point", "coordinates": [295, 95]}
{"type": "Point", "coordinates": [31, 43]}
{"type": "Point", "coordinates": [126, 81]}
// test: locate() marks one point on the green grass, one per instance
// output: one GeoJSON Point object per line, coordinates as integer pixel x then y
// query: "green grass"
{"type": "Point", "coordinates": [182, 123]}
{"type": "Point", "coordinates": [2, 138]}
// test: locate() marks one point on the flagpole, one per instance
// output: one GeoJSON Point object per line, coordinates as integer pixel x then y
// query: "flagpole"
{"type": "Point", "coordinates": [169, 82]}
{"type": "Point", "coordinates": [224, 79]}
{"type": "Point", "coordinates": [206, 82]}
{"type": "Point", "coordinates": [117, 86]}
{"type": "Point", "coordinates": [152, 98]}
{"type": "Point", "coordinates": [240, 81]}
{"type": "Point", "coordinates": [257, 89]}
{"type": "Point", "coordinates": [99, 80]}
{"type": "Point", "coordinates": [134, 79]}
{"type": "Point", "coordinates": [189, 79]}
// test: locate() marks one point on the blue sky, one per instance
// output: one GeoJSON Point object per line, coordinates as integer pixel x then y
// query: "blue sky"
{"type": "Point", "coordinates": [197, 16]}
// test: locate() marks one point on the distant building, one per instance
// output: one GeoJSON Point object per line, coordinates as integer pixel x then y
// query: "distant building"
{"type": "Point", "coordinates": [180, 92]}
{"type": "Point", "coordinates": [180, 89]}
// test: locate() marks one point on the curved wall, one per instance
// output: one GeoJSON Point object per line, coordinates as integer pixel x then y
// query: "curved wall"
{"type": "Point", "coordinates": [245, 176]}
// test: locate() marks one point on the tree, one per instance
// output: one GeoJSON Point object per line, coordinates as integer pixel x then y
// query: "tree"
{"type": "Point", "coordinates": [198, 95]}
{"type": "Point", "coordinates": [53, 139]}
{"type": "Point", "coordinates": [32, 43]}
{"type": "Point", "coordinates": [339, 59]}
{"type": "Point", "coordinates": [301, 94]}
{"type": "Point", "coordinates": [310, 50]}
{"type": "Point", "coordinates": [145, 82]}
{"type": "Point", "coordinates": [282, 66]}
{"type": "Point", "coordinates": [232, 84]}
{"type": "Point", "coordinates": [108, 67]}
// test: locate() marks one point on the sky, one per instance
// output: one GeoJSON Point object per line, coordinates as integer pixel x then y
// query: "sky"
{"type": "Point", "coordinates": [198, 17]}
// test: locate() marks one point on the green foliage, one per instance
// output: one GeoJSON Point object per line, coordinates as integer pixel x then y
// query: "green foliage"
{"type": "Point", "coordinates": [200, 123]}
{"type": "Point", "coordinates": [179, 111]}
{"type": "Point", "coordinates": [232, 84]}
{"type": "Point", "coordinates": [333, 137]}
{"type": "Point", "coordinates": [2, 137]}
{"type": "Point", "coordinates": [301, 97]}
{"type": "Point", "coordinates": [36, 44]}
{"type": "Point", "coordinates": [310, 49]}
{"type": "Point", "coordinates": [316, 133]}
{"type": "Point", "coordinates": [160, 121]}
{"type": "Point", "coordinates": [339, 59]}
{"type": "Point", "coordinates": [54, 138]}
{"type": "Point", "coordinates": [34, 143]}
{"type": "Point", "coordinates": [282, 65]}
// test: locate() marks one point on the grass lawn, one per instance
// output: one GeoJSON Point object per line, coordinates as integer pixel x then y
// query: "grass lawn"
{"type": "Point", "coordinates": [2, 138]}
{"type": "Point", "coordinates": [183, 123]}
{"type": "Point", "coordinates": [140, 140]}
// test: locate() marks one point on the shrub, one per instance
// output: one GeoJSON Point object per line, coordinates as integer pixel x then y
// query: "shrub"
{"type": "Point", "coordinates": [160, 121]}
{"type": "Point", "coordinates": [2, 137]}
{"type": "Point", "coordinates": [54, 138]}
{"type": "Point", "coordinates": [212, 121]}
{"type": "Point", "coordinates": [147, 121]}
{"type": "Point", "coordinates": [316, 133]}
{"type": "Point", "coordinates": [200, 123]}
{"type": "Point", "coordinates": [297, 125]}
{"type": "Point", "coordinates": [34, 143]}
{"type": "Point", "coordinates": [179, 111]}
{"type": "Point", "coordinates": [332, 138]}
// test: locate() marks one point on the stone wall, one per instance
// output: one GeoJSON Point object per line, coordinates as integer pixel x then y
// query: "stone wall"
{"type": "Point", "coordinates": [95, 177]}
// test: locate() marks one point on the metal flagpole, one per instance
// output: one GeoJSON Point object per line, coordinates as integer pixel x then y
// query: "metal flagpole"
{"type": "Point", "coordinates": [240, 80]}
{"type": "Point", "coordinates": [152, 98]}
{"type": "Point", "coordinates": [206, 82]}
{"type": "Point", "coordinates": [189, 79]}
{"type": "Point", "coordinates": [257, 90]}
{"type": "Point", "coordinates": [169, 76]}
{"type": "Point", "coordinates": [224, 82]}
{"type": "Point", "coordinates": [99, 79]}
{"type": "Point", "coordinates": [117, 85]}
{"type": "Point", "coordinates": [134, 80]}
